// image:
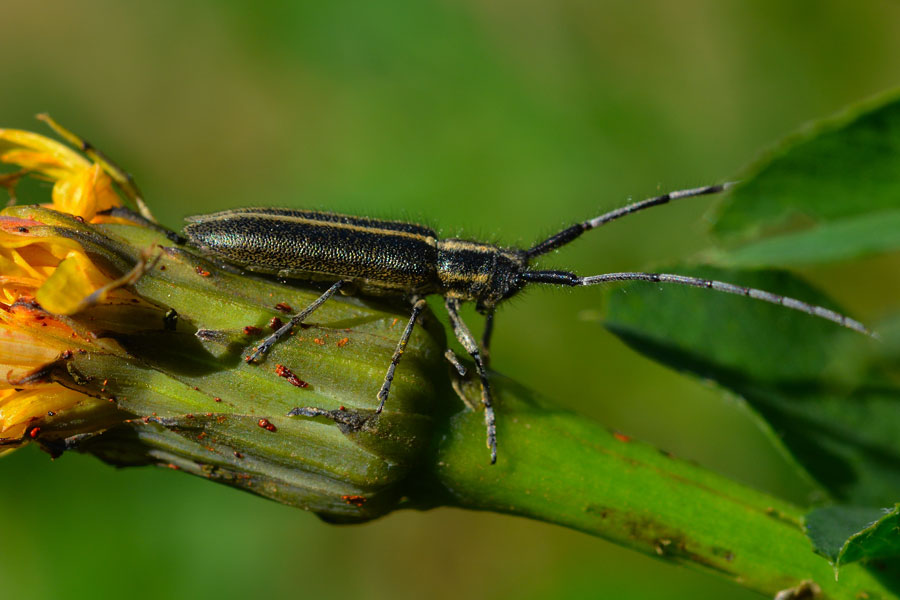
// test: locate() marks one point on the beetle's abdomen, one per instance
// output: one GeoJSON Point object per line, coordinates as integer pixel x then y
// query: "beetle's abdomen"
{"type": "Point", "coordinates": [385, 256]}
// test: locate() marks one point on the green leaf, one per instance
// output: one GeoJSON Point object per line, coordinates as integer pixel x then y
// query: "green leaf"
{"type": "Point", "coordinates": [852, 237]}
{"type": "Point", "coordinates": [845, 534]}
{"type": "Point", "coordinates": [831, 192]}
{"type": "Point", "coordinates": [841, 426]}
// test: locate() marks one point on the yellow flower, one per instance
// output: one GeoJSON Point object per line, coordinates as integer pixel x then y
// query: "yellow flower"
{"type": "Point", "coordinates": [44, 277]}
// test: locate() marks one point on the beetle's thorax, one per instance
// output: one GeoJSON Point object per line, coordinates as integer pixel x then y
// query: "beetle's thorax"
{"type": "Point", "coordinates": [478, 272]}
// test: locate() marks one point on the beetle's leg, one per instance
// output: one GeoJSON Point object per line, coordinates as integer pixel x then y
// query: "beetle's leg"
{"type": "Point", "coordinates": [418, 306]}
{"type": "Point", "coordinates": [267, 343]}
{"type": "Point", "coordinates": [468, 341]}
{"type": "Point", "coordinates": [118, 174]}
{"type": "Point", "coordinates": [347, 420]}
{"type": "Point", "coordinates": [451, 357]}
{"type": "Point", "coordinates": [486, 338]}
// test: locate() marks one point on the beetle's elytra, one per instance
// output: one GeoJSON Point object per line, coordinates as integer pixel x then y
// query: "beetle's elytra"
{"type": "Point", "coordinates": [385, 258]}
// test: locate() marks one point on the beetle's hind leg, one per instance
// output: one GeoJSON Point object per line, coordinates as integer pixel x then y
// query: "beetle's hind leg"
{"type": "Point", "coordinates": [468, 341]}
{"type": "Point", "coordinates": [418, 306]}
{"type": "Point", "coordinates": [285, 329]}
{"type": "Point", "coordinates": [350, 419]}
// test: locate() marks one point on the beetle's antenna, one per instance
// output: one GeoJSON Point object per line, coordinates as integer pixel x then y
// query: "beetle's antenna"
{"type": "Point", "coordinates": [567, 235]}
{"type": "Point", "coordinates": [730, 288]}
{"type": "Point", "coordinates": [570, 279]}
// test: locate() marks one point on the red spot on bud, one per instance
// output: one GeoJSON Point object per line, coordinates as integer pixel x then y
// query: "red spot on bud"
{"type": "Point", "coordinates": [355, 500]}
{"type": "Point", "coordinates": [621, 436]}
{"type": "Point", "coordinates": [284, 307]}
{"type": "Point", "coordinates": [267, 425]}
{"type": "Point", "coordinates": [201, 271]}
{"type": "Point", "coordinates": [217, 399]}
{"type": "Point", "coordinates": [319, 341]}
{"type": "Point", "coordinates": [251, 330]}
{"type": "Point", "coordinates": [283, 371]}
{"type": "Point", "coordinates": [238, 454]}
{"type": "Point", "coordinates": [343, 342]}
{"type": "Point", "coordinates": [34, 432]}
{"type": "Point", "coordinates": [275, 323]}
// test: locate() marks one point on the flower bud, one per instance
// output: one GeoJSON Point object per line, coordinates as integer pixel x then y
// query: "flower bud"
{"type": "Point", "coordinates": [119, 342]}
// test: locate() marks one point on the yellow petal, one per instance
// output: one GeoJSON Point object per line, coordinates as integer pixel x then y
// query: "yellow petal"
{"type": "Point", "coordinates": [21, 351]}
{"type": "Point", "coordinates": [74, 279]}
{"type": "Point", "coordinates": [38, 153]}
{"type": "Point", "coordinates": [84, 193]}
{"type": "Point", "coordinates": [19, 409]}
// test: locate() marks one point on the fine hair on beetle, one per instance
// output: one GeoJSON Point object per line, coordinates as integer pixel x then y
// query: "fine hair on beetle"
{"type": "Point", "coordinates": [397, 259]}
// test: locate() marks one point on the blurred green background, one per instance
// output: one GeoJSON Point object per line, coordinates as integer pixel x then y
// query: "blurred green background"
{"type": "Point", "coordinates": [502, 120]}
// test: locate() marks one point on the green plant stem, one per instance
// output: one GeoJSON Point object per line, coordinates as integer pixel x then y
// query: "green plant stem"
{"type": "Point", "coordinates": [558, 467]}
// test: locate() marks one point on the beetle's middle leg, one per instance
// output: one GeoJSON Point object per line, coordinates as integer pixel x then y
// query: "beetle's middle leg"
{"type": "Point", "coordinates": [285, 329]}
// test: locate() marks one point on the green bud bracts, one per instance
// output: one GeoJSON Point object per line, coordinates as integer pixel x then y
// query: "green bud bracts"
{"type": "Point", "coordinates": [172, 361]}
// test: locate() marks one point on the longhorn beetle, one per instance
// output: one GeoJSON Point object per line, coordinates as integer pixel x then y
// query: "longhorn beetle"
{"type": "Point", "coordinates": [404, 260]}
{"type": "Point", "coordinates": [399, 259]}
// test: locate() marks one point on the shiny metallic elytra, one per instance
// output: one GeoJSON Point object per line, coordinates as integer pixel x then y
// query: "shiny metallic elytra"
{"type": "Point", "coordinates": [398, 259]}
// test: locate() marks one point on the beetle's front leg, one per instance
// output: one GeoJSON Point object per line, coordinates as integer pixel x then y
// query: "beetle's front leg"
{"type": "Point", "coordinates": [486, 338]}
{"type": "Point", "coordinates": [468, 341]}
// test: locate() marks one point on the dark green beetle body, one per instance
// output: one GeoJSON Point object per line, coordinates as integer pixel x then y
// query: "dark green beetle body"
{"type": "Point", "coordinates": [377, 257]}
